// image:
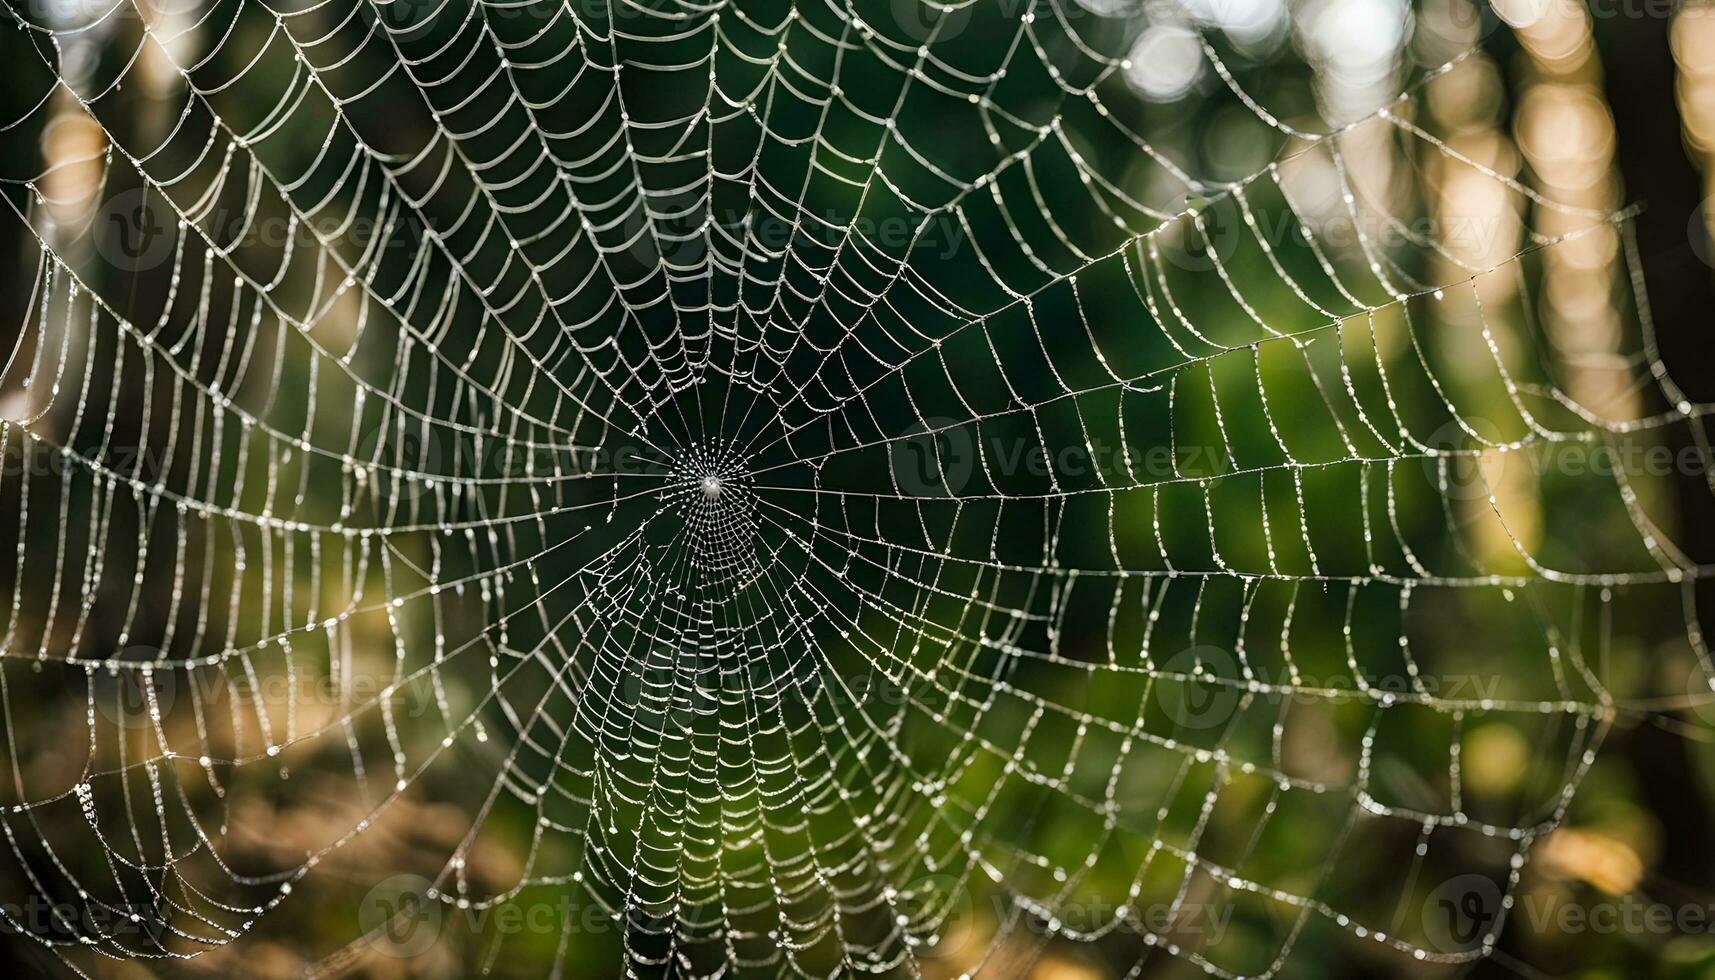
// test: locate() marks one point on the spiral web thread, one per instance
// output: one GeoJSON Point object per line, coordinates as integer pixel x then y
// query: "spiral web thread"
{"type": "Point", "coordinates": [526, 408]}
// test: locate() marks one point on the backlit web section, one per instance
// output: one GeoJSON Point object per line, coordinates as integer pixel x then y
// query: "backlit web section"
{"type": "Point", "coordinates": [792, 489]}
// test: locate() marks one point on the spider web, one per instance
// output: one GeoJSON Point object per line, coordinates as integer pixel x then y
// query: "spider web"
{"type": "Point", "coordinates": [815, 482]}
